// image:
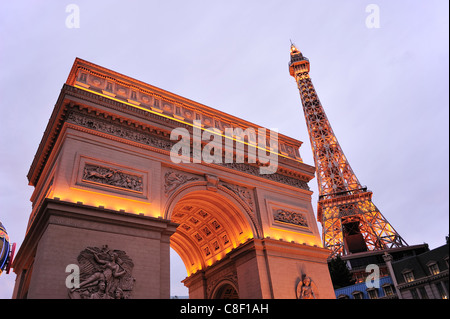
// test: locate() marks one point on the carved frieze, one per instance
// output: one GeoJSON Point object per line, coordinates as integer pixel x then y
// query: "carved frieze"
{"type": "Point", "coordinates": [118, 130]}
{"type": "Point", "coordinates": [112, 177]}
{"type": "Point", "coordinates": [104, 274]}
{"type": "Point", "coordinates": [290, 217]}
{"type": "Point", "coordinates": [253, 170]}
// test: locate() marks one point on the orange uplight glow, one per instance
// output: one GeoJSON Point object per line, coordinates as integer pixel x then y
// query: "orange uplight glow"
{"type": "Point", "coordinates": [107, 201]}
{"type": "Point", "coordinates": [294, 237]}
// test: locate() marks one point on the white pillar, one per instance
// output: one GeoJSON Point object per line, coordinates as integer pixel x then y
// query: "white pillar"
{"type": "Point", "coordinates": [388, 259]}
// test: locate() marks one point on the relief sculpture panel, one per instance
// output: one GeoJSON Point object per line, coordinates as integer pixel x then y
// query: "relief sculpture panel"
{"type": "Point", "coordinates": [290, 217]}
{"type": "Point", "coordinates": [104, 274]}
{"type": "Point", "coordinates": [112, 177]}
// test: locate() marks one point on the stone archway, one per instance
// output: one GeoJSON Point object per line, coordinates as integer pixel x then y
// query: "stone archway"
{"type": "Point", "coordinates": [211, 224]}
{"type": "Point", "coordinates": [225, 290]}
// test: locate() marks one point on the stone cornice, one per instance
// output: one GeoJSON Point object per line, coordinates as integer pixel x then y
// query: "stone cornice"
{"type": "Point", "coordinates": [48, 140]}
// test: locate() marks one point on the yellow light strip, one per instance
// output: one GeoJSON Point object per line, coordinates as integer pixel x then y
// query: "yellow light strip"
{"type": "Point", "coordinates": [181, 121]}
{"type": "Point", "coordinates": [108, 201]}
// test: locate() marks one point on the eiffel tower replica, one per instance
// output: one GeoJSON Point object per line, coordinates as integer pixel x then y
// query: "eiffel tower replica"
{"type": "Point", "coordinates": [351, 223]}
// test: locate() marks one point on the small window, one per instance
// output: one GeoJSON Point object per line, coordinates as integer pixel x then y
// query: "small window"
{"type": "Point", "coordinates": [434, 268]}
{"type": "Point", "coordinates": [357, 295]}
{"type": "Point", "coordinates": [409, 276]}
{"type": "Point", "coordinates": [373, 293]}
{"type": "Point", "coordinates": [388, 291]}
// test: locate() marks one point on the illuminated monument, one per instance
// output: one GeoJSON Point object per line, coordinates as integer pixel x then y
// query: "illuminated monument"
{"type": "Point", "coordinates": [109, 201]}
{"type": "Point", "coordinates": [351, 223]}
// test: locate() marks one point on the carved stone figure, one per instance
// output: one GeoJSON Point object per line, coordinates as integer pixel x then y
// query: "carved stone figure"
{"type": "Point", "coordinates": [118, 294]}
{"type": "Point", "coordinates": [101, 292]}
{"type": "Point", "coordinates": [104, 274]}
{"type": "Point", "coordinates": [306, 288]}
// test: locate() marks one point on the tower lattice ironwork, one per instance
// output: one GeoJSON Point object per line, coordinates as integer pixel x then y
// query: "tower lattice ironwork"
{"type": "Point", "coordinates": [350, 221]}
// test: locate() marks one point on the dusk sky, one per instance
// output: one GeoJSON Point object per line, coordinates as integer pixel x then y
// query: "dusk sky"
{"type": "Point", "coordinates": [384, 89]}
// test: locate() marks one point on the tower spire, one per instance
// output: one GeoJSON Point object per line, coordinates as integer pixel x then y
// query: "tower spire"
{"type": "Point", "coordinates": [350, 221]}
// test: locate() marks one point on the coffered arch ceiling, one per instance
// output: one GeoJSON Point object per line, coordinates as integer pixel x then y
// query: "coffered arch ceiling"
{"type": "Point", "coordinates": [211, 225]}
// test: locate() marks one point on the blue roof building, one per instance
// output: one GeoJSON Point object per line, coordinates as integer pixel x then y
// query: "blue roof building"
{"type": "Point", "coordinates": [361, 291]}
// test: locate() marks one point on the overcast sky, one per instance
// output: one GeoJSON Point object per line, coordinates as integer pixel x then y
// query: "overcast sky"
{"type": "Point", "coordinates": [385, 89]}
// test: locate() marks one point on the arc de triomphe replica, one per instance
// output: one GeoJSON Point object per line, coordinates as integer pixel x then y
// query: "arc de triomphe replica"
{"type": "Point", "coordinates": [114, 191]}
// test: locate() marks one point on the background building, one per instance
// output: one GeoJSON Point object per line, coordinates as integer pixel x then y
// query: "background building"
{"type": "Point", "coordinates": [414, 273]}
{"type": "Point", "coordinates": [423, 276]}
{"type": "Point", "coordinates": [360, 291]}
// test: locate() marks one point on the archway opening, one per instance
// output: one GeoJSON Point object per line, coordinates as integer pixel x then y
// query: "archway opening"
{"type": "Point", "coordinates": [211, 224]}
{"type": "Point", "coordinates": [177, 274]}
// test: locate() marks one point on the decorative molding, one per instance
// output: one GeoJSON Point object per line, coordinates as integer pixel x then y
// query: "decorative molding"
{"type": "Point", "coordinates": [243, 192]}
{"type": "Point", "coordinates": [212, 182]}
{"type": "Point", "coordinates": [254, 170]}
{"type": "Point", "coordinates": [173, 180]}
